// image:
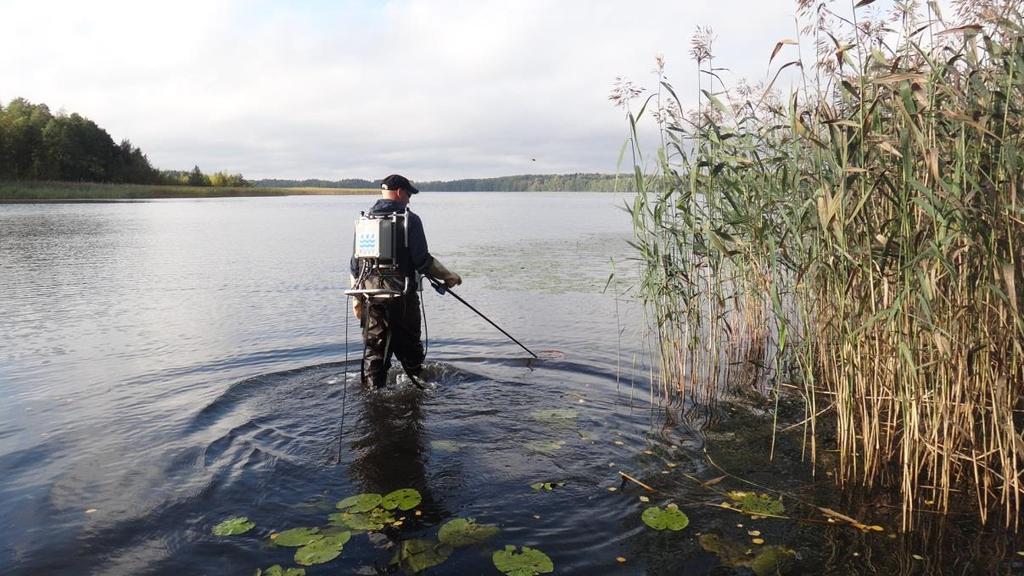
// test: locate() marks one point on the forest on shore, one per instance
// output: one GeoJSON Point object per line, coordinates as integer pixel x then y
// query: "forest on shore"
{"type": "Point", "coordinates": [39, 145]}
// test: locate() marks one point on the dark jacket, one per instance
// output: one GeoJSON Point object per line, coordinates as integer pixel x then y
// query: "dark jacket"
{"type": "Point", "coordinates": [414, 257]}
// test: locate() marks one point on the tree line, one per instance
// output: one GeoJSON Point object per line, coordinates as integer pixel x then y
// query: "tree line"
{"type": "Point", "coordinates": [36, 144]}
{"type": "Point", "coordinates": [580, 182]}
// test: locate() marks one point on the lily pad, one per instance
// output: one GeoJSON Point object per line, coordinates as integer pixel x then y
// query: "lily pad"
{"type": "Point", "coordinates": [296, 537]}
{"type": "Point", "coordinates": [670, 518]}
{"type": "Point", "coordinates": [548, 447]}
{"type": "Point", "coordinates": [528, 562]}
{"type": "Point", "coordinates": [769, 560]}
{"type": "Point", "coordinates": [233, 526]}
{"type": "Point", "coordinates": [548, 486]}
{"type": "Point", "coordinates": [417, 555]}
{"type": "Point", "coordinates": [381, 516]}
{"type": "Point", "coordinates": [375, 519]}
{"type": "Point", "coordinates": [277, 570]}
{"type": "Point", "coordinates": [355, 521]}
{"type": "Point", "coordinates": [403, 499]}
{"type": "Point", "coordinates": [465, 532]}
{"type": "Point", "coordinates": [360, 503]}
{"type": "Point", "coordinates": [756, 504]}
{"type": "Point", "coordinates": [322, 550]}
{"type": "Point", "coordinates": [772, 560]}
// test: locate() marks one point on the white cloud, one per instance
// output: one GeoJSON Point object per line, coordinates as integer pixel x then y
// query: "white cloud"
{"type": "Point", "coordinates": [432, 88]}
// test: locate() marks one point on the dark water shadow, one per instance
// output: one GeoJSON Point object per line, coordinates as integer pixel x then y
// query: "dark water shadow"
{"type": "Point", "coordinates": [736, 455]}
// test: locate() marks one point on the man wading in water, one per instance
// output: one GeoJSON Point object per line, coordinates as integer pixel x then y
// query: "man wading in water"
{"type": "Point", "coordinates": [385, 267]}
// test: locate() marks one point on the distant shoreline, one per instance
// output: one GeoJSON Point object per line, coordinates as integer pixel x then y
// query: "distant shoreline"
{"type": "Point", "coordinates": [38, 192]}
{"type": "Point", "coordinates": [35, 191]}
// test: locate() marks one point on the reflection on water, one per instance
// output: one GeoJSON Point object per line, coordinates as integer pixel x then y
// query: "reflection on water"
{"type": "Point", "coordinates": [388, 452]}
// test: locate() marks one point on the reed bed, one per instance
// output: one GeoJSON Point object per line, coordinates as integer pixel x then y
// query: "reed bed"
{"type": "Point", "coordinates": [858, 240]}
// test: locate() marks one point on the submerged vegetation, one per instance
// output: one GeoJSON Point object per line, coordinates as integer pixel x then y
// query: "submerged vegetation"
{"type": "Point", "coordinates": [857, 241]}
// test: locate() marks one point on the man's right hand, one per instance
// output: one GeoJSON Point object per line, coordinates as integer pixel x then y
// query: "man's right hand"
{"type": "Point", "coordinates": [438, 271]}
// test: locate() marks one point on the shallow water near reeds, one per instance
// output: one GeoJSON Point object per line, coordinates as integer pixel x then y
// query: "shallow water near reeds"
{"type": "Point", "coordinates": [166, 365]}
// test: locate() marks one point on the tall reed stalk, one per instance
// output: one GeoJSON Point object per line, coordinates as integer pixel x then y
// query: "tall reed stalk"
{"type": "Point", "coordinates": [859, 240]}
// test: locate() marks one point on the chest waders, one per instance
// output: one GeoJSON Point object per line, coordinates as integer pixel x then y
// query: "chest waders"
{"type": "Point", "coordinates": [379, 242]}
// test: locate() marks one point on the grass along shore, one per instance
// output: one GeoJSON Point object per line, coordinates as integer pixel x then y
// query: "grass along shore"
{"type": "Point", "coordinates": [74, 191]}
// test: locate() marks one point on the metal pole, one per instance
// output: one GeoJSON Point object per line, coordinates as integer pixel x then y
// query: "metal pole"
{"type": "Point", "coordinates": [441, 289]}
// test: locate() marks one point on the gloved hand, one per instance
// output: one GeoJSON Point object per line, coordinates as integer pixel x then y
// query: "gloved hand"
{"type": "Point", "coordinates": [357, 302]}
{"type": "Point", "coordinates": [437, 270]}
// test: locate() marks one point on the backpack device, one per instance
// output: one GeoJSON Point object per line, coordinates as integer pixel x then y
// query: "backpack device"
{"type": "Point", "coordinates": [379, 238]}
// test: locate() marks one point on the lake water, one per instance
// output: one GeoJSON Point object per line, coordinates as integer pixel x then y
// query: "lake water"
{"type": "Point", "coordinates": [166, 365]}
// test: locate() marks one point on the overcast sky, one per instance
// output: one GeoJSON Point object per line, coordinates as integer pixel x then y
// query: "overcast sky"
{"type": "Point", "coordinates": [434, 89]}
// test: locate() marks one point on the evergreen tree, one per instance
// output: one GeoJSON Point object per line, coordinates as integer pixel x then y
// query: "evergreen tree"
{"type": "Point", "coordinates": [197, 178]}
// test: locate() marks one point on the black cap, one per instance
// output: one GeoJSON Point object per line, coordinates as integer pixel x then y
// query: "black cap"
{"type": "Point", "coordinates": [398, 182]}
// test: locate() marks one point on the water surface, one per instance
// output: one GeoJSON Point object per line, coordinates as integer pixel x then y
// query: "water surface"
{"type": "Point", "coordinates": [165, 365]}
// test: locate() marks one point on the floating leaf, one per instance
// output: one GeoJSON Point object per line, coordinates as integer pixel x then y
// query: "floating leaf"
{"type": "Point", "coordinates": [358, 522]}
{"type": "Point", "coordinates": [528, 562]}
{"type": "Point", "coordinates": [757, 504]}
{"type": "Point", "coordinates": [375, 519]}
{"type": "Point", "coordinates": [233, 526]}
{"type": "Point", "coordinates": [769, 560]}
{"type": "Point", "coordinates": [772, 560]}
{"type": "Point", "coordinates": [404, 499]}
{"type": "Point", "coordinates": [549, 486]}
{"type": "Point", "coordinates": [277, 570]}
{"type": "Point", "coordinates": [360, 503]}
{"type": "Point", "coordinates": [465, 532]}
{"type": "Point", "coordinates": [417, 555]}
{"type": "Point", "coordinates": [548, 447]}
{"type": "Point", "coordinates": [296, 537]}
{"type": "Point", "coordinates": [322, 550]}
{"type": "Point", "coordinates": [671, 518]}
{"type": "Point", "coordinates": [381, 515]}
